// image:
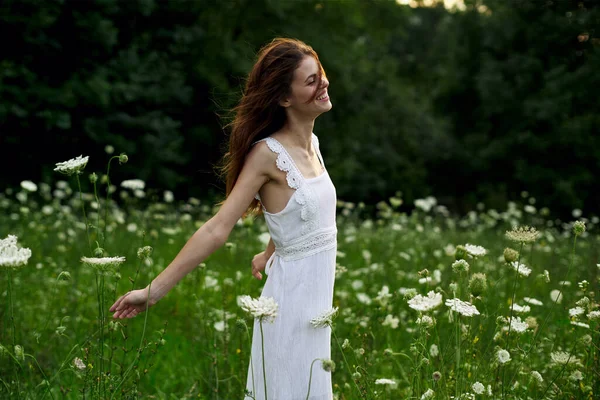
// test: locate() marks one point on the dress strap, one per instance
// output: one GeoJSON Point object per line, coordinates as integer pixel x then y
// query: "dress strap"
{"type": "Point", "coordinates": [316, 145]}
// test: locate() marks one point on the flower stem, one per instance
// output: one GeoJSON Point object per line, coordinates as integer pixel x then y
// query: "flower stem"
{"type": "Point", "coordinates": [310, 377]}
{"type": "Point", "coordinates": [262, 342]}
{"type": "Point", "coordinates": [87, 229]}
{"type": "Point", "coordinates": [106, 204]}
{"type": "Point", "coordinates": [346, 361]}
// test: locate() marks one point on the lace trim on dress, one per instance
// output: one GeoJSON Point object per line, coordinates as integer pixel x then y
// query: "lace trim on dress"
{"type": "Point", "coordinates": [304, 193]}
{"type": "Point", "coordinates": [309, 245]}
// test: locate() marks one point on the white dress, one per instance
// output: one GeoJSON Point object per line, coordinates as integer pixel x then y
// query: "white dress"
{"type": "Point", "coordinates": [300, 277]}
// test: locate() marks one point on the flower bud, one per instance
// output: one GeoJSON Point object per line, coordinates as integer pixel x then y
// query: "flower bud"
{"type": "Point", "coordinates": [19, 352]}
{"type": "Point", "coordinates": [478, 284]}
{"type": "Point", "coordinates": [460, 253]}
{"type": "Point", "coordinates": [459, 266]}
{"type": "Point", "coordinates": [328, 365]}
{"type": "Point", "coordinates": [436, 376]}
{"type": "Point", "coordinates": [99, 252]}
{"type": "Point", "coordinates": [578, 228]}
{"type": "Point", "coordinates": [510, 255]}
{"type": "Point", "coordinates": [93, 177]}
{"type": "Point", "coordinates": [123, 158]}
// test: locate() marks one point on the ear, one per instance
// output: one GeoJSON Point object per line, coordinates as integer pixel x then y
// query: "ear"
{"type": "Point", "coordinates": [285, 103]}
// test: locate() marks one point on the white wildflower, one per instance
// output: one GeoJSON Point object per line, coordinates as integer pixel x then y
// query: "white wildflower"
{"type": "Point", "coordinates": [475, 251]}
{"type": "Point", "coordinates": [324, 319]}
{"type": "Point", "coordinates": [428, 394]}
{"type": "Point", "coordinates": [434, 351]}
{"type": "Point", "coordinates": [503, 356]}
{"type": "Point", "coordinates": [11, 254]}
{"type": "Point", "coordinates": [391, 321]}
{"type": "Point", "coordinates": [462, 307]}
{"type": "Point", "coordinates": [533, 301]}
{"type": "Point", "coordinates": [580, 324]}
{"type": "Point", "coordinates": [523, 234]}
{"type": "Point", "coordinates": [263, 308]}
{"type": "Point", "coordinates": [133, 184]}
{"type": "Point", "coordinates": [537, 376]}
{"type": "Point", "coordinates": [73, 166]}
{"type": "Point", "coordinates": [388, 382]}
{"type": "Point", "coordinates": [78, 363]}
{"type": "Point", "coordinates": [576, 311]}
{"type": "Point", "coordinates": [594, 315]}
{"type": "Point", "coordinates": [520, 268]}
{"type": "Point", "coordinates": [521, 309]}
{"type": "Point", "coordinates": [517, 325]}
{"type": "Point", "coordinates": [383, 295]}
{"type": "Point", "coordinates": [425, 303]}
{"type": "Point", "coordinates": [562, 358]}
{"type": "Point", "coordinates": [29, 186]}
{"type": "Point", "coordinates": [576, 376]}
{"type": "Point", "coordinates": [478, 387]}
{"type": "Point", "coordinates": [103, 264]}
{"type": "Point", "coordinates": [556, 296]}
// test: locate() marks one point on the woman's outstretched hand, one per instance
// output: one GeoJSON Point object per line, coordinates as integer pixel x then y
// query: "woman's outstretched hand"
{"type": "Point", "coordinates": [131, 304]}
{"type": "Point", "coordinates": [259, 263]}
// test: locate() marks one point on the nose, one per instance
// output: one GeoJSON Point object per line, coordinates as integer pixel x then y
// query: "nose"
{"type": "Point", "coordinates": [324, 83]}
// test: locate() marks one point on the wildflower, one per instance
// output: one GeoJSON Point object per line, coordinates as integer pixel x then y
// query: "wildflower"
{"type": "Point", "coordinates": [478, 284]}
{"type": "Point", "coordinates": [523, 234]}
{"type": "Point", "coordinates": [426, 321]}
{"type": "Point", "coordinates": [460, 253]}
{"type": "Point", "coordinates": [388, 352]}
{"type": "Point", "coordinates": [578, 228]}
{"type": "Point", "coordinates": [537, 376]}
{"type": "Point", "coordinates": [263, 308]}
{"type": "Point", "coordinates": [391, 321]}
{"type": "Point", "coordinates": [328, 365]}
{"type": "Point", "coordinates": [11, 254]}
{"type": "Point", "coordinates": [436, 376]}
{"type": "Point", "coordinates": [521, 309]}
{"type": "Point", "coordinates": [168, 196]}
{"type": "Point", "coordinates": [580, 324]}
{"type": "Point", "coordinates": [428, 394]}
{"type": "Point", "coordinates": [93, 178]}
{"type": "Point", "coordinates": [545, 276]}
{"type": "Point", "coordinates": [73, 166]}
{"type": "Point", "coordinates": [594, 315]}
{"type": "Point", "coordinates": [133, 184]}
{"type": "Point", "coordinates": [325, 319]}
{"type": "Point", "coordinates": [78, 363]}
{"type": "Point", "coordinates": [425, 303]}
{"type": "Point", "coordinates": [475, 251]}
{"type": "Point", "coordinates": [346, 344]}
{"type": "Point", "coordinates": [576, 311]}
{"type": "Point", "coordinates": [478, 387]}
{"type": "Point", "coordinates": [503, 356]}
{"type": "Point", "coordinates": [459, 266]}
{"type": "Point", "coordinates": [19, 352]}
{"type": "Point", "coordinates": [583, 285]}
{"type": "Point", "coordinates": [462, 307]}
{"type": "Point", "coordinates": [434, 351]}
{"type": "Point", "coordinates": [29, 186]}
{"type": "Point", "coordinates": [520, 268]}
{"type": "Point", "coordinates": [144, 252]}
{"type": "Point", "coordinates": [563, 358]}
{"type": "Point", "coordinates": [556, 296]}
{"type": "Point", "coordinates": [576, 376]}
{"type": "Point", "coordinates": [533, 301]}
{"type": "Point", "coordinates": [516, 325]}
{"type": "Point", "coordinates": [103, 264]}
{"type": "Point", "coordinates": [389, 382]}
{"type": "Point", "coordinates": [383, 295]}
{"type": "Point", "coordinates": [510, 255]}
{"type": "Point", "coordinates": [123, 158]}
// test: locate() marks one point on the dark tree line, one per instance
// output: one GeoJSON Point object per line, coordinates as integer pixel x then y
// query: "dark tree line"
{"type": "Point", "coordinates": [468, 106]}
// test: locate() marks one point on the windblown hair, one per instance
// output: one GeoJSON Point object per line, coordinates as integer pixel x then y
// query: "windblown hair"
{"type": "Point", "coordinates": [259, 114]}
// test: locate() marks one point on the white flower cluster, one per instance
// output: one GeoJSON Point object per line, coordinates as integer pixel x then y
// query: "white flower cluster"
{"type": "Point", "coordinates": [73, 166]}
{"type": "Point", "coordinates": [520, 268]}
{"type": "Point", "coordinates": [503, 356]}
{"type": "Point", "coordinates": [133, 184]}
{"type": "Point", "coordinates": [562, 358]}
{"type": "Point", "coordinates": [103, 264]}
{"type": "Point", "coordinates": [325, 319]}
{"type": "Point", "coordinates": [462, 307]}
{"type": "Point", "coordinates": [263, 308]}
{"type": "Point", "coordinates": [11, 255]}
{"type": "Point", "coordinates": [475, 251]}
{"type": "Point", "coordinates": [425, 303]}
{"type": "Point", "coordinates": [389, 382]}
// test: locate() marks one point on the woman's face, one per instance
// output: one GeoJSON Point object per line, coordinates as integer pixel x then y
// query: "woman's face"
{"type": "Point", "coordinates": [303, 88]}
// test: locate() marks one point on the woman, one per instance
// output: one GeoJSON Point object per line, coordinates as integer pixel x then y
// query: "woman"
{"type": "Point", "coordinates": [274, 164]}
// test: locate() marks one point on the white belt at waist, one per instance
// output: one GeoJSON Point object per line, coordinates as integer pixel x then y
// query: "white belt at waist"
{"type": "Point", "coordinates": [306, 245]}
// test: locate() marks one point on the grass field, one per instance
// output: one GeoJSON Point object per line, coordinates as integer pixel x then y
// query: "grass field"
{"type": "Point", "coordinates": [58, 339]}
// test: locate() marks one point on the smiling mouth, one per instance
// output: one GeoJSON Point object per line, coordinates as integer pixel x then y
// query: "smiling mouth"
{"type": "Point", "coordinates": [323, 97]}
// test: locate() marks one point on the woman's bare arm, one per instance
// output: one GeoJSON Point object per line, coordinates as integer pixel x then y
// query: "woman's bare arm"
{"type": "Point", "coordinates": [212, 235]}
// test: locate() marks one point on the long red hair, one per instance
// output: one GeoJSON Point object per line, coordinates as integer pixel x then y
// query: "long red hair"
{"type": "Point", "coordinates": [258, 114]}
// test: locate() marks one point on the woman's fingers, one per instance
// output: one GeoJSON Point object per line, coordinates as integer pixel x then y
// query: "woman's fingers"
{"type": "Point", "coordinates": [116, 306]}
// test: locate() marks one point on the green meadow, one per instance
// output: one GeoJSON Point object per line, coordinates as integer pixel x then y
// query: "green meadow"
{"type": "Point", "coordinates": [430, 305]}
